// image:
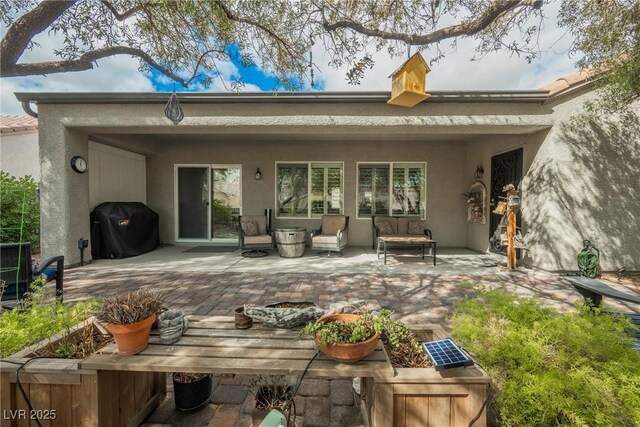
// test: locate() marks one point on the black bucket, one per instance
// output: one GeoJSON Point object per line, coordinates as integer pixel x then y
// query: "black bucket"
{"type": "Point", "coordinates": [192, 396]}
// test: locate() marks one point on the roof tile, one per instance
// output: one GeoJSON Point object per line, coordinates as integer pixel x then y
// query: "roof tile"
{"type": "Point", "coordinates": [12, 124]}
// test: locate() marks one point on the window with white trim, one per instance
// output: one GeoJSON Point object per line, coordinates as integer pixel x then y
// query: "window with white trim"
{"type": "Point", "coordinates": [396, 189]}
{"type": "Point", "coordinates": [309, 190]}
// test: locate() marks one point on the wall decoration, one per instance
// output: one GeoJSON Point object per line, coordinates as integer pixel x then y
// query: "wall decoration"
{"type": "Point", "coordinates": [476, 199]}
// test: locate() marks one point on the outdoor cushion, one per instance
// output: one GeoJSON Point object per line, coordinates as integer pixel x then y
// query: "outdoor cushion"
{"type": "Point", "coordinates": [416, 227]}
{"type": "Point", "coordinates": [257, 240]}
{"type": "Point", "coordinates": [385, 228]}
{"type": "Point", "coordinates": [392, 221]}
{"type": "Point", "coordinates": [324, 239]}
{"type": "Point", "coordinates": [250, 228]}
{"type": "Point", "coordinates": [260, 219]}
{"type": "Point", "coordinates": [331, 224]}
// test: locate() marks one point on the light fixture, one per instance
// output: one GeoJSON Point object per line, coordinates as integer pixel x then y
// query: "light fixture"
{"type": "Point", "coordinates": [479, 172]}
{"type": "Point", "coordinates": [258, 174]}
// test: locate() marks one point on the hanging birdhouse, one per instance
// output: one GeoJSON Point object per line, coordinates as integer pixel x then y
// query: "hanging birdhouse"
{"type": "Point", "coordinates": [408, 82]}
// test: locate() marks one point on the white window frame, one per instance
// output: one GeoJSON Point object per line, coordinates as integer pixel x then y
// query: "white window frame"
{"type": "Point", "coordinates": [176, 222]}
{"type": "Point", "coordinates": [423, 202]}
{"type": "Point", "coordinates": [309, 165]}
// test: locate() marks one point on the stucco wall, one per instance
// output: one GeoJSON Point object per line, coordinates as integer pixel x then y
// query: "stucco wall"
{"type": "Point", "coordinates": [19, 154]}
{"type": "Point", "coordinates": [479, 152]}
{"type": "Point", "coordinates": [584, 183]}
{"type": "Point", "coordinates": [445, 163]}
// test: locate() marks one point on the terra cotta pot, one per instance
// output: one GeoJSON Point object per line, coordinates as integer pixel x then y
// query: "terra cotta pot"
{"type": "Point", "coordinates": [132, 338]}
{"type": "Point", "coordinates": [347, 352]}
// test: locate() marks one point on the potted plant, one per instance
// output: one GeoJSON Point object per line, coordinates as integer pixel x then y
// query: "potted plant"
{"type": "Point", "coordinates": [129, 318]}
{"type": "Point", "coordinates": [271, 393]}
{"type": "Point", "coordinates": [191, 391]}
{"type": "Point", "coordinates": [43, 346]}
{"type": "Point", "coordinates": [345, 337]}
{"type": "Point", "coordinates": [454, 396]}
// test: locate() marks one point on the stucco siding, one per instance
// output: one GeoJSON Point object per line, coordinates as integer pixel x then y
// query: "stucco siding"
{"type": "Point", "coordinates": [479, 152]}
{"type": "Point", "coordinates": [584, 183]}
{"type": "Point", "coordinates": [19, 154]}
{"type": "Point", "coordinates": [445, 162]}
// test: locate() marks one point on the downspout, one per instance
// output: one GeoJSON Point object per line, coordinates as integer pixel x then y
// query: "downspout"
{"type": "Point", "coordinates": [26, 106]}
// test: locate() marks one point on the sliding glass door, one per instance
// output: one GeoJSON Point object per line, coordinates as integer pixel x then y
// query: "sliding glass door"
{"type": "Point", "coordinates": [193, 202]}
{"type": "Point", "coordinates": [208, 202]}
{"type": "Point", "coordinates": [225, 208]}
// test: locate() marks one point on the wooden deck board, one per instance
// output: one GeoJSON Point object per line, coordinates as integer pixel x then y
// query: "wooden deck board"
{"type": "Point", "coordinates": [212, 344]}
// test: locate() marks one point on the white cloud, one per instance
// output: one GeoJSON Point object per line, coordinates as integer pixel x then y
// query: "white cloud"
{"type": "Point", "coordinates": [497, 70]}
{"type": "Point", "coordinates": [455, 72]}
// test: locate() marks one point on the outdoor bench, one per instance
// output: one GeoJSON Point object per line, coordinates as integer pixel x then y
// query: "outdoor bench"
{"type": "Point", "coordinates": [594, 290]}
{"type": "Point", "coordinates": [390, 396]}
{"type": "Point", "coordinates": [212, 344]}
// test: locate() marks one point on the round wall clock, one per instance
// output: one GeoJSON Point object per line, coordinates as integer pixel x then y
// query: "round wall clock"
{"type": "Point", "coordinates": [78, 164]}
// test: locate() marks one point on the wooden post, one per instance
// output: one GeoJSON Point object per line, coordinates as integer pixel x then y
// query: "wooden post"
{"type": "Point", "coordinates": [511, 238]}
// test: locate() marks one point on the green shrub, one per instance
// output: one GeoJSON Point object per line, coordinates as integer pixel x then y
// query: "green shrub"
{"type": "Point", "coordinates": [222, 212]}
{"type": "Point", "coordinates": [550, 368]}
{"type": "Point", "coordinates": [40, 318]}
{"type": "Point", "coordinates": [12, 192]}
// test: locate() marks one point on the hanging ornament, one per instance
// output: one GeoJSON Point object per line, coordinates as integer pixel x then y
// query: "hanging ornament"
{"type": "Point", "coordinates": [173, 110]}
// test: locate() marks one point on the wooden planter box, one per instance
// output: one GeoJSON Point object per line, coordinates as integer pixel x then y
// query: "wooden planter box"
{"type": "Point", "coordinates": [425, 397]}
{"type": "Point", "coordinates": [69, 396]}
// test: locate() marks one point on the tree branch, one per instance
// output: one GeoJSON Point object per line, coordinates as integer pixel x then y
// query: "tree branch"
{"type": "Point", "coordinates": [25, 28]}
{"type": "Point", "coordinates": [124, 15]}
{"type": "Point", "coordinates": [231, 17]}
{"type": "Point", "coordinates": [468, 28]}
{"type": "Point", "coordinates": [85, 62]}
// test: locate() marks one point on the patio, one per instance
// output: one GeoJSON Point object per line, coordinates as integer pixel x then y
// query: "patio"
{"type": "Point", "coordinates": [214, 283]}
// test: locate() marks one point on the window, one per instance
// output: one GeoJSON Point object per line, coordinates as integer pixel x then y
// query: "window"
{"type": "Point", "coordinates": [309, 190]}
{"type": "Point", "coordinates": [391, 189]}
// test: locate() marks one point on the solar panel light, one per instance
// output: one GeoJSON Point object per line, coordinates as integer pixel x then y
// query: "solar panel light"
{"type": "Point", "coordinates": [445, 354]}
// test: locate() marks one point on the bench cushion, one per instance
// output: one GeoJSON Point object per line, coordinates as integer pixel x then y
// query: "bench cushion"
{"type": "Point", "coordinates": [416, 227]}
{"type": "Point", "coordinates": [392, 221]}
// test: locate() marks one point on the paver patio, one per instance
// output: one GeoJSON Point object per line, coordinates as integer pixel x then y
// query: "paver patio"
{"type": "Point", "coordinates": [216, 283]}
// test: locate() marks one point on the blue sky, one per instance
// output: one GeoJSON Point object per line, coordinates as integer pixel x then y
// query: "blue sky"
{"type": "Point", "coordinates": [497, 71]}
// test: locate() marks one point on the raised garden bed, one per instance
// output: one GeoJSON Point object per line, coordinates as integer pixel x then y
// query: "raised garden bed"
{"type": "Point", "coordinates": [69, 396]}
{"type": "Point", "coordinates": [424, 396]}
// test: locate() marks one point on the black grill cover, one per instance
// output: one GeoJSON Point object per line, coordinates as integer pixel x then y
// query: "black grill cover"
{"type": "Point", "coordinates": [123, 229]}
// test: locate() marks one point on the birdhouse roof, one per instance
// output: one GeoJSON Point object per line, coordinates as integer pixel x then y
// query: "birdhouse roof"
{"type": "Point", "coordinates": [416, 57]}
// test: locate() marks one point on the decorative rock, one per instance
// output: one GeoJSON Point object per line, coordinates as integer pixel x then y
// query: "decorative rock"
{"type": "Point", "coordinates": [171, 325]}
{"type": "Point", "coordinates": [284, 317]}
{"type": "Point", "coordinates": [356, 384]}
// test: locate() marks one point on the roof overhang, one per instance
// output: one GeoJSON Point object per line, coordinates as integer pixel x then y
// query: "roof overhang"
{"type": "Point", "coordinates": [528, 96]}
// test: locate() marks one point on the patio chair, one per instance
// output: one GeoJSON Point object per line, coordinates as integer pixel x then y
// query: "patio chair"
{"type": "Point", "coordinates": [18, 280]}
{"type": "Point", "coordinates": [255, 240]}
{"type": "Point", "coordinates": [331, 237]}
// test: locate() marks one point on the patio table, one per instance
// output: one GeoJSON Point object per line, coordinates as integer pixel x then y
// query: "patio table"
{"type": "Point", "coordinates": [211, 344]}
{"type": "Point", "coordinates": [408, 241]}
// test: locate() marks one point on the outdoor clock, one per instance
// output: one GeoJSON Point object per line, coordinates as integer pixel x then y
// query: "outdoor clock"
{"type": "Point", "coordinates": [79, 164]}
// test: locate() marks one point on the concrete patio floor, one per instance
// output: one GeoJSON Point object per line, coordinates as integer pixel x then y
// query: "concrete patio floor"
{"type": "Point", "coordinates": [354, 260]}
{"type": "Point", "coordinates": [216, 283]}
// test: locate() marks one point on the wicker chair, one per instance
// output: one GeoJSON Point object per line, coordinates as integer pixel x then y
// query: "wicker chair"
{"type": "Point", "coordinates": [331, 237]}
{"type": "Point", "coordinates": [18, 273]}
{"type": "Point", "coordinates": [255, 246]}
